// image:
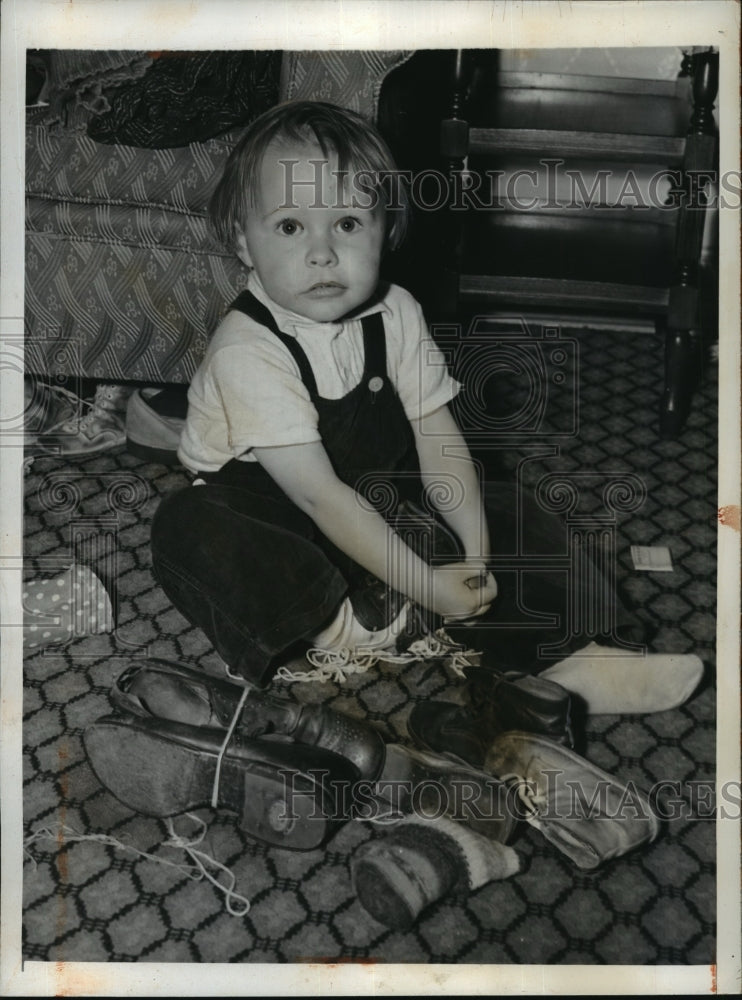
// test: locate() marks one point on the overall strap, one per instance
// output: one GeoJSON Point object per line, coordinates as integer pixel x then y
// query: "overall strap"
{"type": "Point", "coordinates": [374, 340]}
{"type": "Point", "coordinates": [374, 346]}
{"type": "Point", "coordinates": [248, 304]}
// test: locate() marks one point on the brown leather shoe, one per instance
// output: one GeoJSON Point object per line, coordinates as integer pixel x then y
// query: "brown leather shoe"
{"type": "Point", "coordinates": [155, 688]}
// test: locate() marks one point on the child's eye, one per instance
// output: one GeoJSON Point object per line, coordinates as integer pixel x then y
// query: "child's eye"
{"type": "Point", "coordinates": [288, 227]}
{"type": "Point", "coordinates": [349, 224]}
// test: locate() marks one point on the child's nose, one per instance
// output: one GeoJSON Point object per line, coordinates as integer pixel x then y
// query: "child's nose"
{"type": "Point", "coordinates": [321, 254]}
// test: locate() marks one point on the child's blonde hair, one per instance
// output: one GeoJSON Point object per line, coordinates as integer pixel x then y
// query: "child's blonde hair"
{"type": "Point", "coordinates": [359, 148]}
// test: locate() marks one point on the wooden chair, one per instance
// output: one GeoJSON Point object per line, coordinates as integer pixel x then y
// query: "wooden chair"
{"type": "Point", "coordinates": [559, 251]}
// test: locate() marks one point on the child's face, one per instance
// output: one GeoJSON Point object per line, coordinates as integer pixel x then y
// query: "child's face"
{"type": "Point", "coordinates": [314, 252]}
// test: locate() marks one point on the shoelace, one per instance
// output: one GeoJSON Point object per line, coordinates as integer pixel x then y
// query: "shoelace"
{"type": "Point", "coordinates": [339, 665]}
{"type": "Point", "coordinates": [223, 747]}
{"type": "Point", "coordinates": [331, 665]}
{"type": "Point", "coordinates": [57, 391]}
{"type": "Point", "coordinates": [439, 645]}
{"type": "Point", "coordinates": [198, 870]}
{"type": "Point", "coordinates": [531, 798]}
{"type": "Point", "coordinates": [77, 421]}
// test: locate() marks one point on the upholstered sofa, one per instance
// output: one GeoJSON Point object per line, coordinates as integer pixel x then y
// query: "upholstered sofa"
{"type": "Point", "coordinates": [124, 280]}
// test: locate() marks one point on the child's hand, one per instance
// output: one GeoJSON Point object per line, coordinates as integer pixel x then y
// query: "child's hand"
{"type": "Point", "coordinates": [463, 590]}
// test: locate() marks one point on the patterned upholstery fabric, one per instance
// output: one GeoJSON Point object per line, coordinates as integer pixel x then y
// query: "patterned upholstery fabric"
{"type": "Point", "coordinates": [351, 79]}
{"type": "Point", "coordinates": [123, 279]}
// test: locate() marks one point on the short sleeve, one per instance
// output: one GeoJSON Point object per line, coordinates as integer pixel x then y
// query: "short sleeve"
{"type": "Point", "coordinates": [262, 396]}
{"type": "Point", "coordinates": [419, 368]}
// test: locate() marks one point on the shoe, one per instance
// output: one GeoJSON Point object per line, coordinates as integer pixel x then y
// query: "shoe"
{"type": "Point", "coordinates": [284, 794]}
{"type": "Point", "coordinates": [154, 421]}
{"type": "Point", "coordinates": [45, 407]}
{"type": "Point", "coordinates": [497, 703]}
{"type": "Point", "coordinates": [427, 535]}
{"type": "Point", "coordinates": [96, 425]}
{"type": "Point", "coordinates": [376, 605]}
{"type": "Point", "coordinates": [583, 811]}
{"type": "Point", "coordinates": [414, 783]}
{"type": "Point", "coordinates": [161, 689]}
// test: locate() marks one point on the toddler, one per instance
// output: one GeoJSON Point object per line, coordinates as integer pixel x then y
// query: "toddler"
{"type": "Point", "coordinates": [319, 420]}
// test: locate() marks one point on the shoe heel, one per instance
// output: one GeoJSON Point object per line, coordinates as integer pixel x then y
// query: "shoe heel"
{"type": "Point", "coordinates": [282, 810]}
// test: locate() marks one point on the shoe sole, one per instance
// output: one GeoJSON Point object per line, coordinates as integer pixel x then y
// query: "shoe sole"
{"type": "Point", "coordinates": [156, 776]}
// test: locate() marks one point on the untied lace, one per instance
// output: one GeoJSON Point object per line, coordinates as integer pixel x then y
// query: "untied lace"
{"type": "Point", "coordinates": [198, 870]}
{"type": "Point", "coordinates": [90, 408]}
{"type": "Point", "coordinates": [339, 665]}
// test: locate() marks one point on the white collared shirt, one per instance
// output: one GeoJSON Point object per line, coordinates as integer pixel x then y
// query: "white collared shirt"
{"type": "Point", "coordinates": [248, 393]}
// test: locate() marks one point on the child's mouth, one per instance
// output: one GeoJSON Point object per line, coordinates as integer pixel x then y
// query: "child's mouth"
{"type": "Point", "coordinates": [324, 289]}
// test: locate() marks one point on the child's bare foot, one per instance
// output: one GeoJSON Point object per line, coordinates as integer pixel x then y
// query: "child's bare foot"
{"type": "Point", "coordinates": [618, 681]}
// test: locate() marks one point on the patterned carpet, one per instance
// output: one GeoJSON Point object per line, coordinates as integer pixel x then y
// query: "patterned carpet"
{"type": "Point", "coordinates": [89, 900]}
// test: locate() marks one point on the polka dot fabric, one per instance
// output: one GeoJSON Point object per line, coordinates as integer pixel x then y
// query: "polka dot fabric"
{"type": "Point", "coordinates": [61, 607]}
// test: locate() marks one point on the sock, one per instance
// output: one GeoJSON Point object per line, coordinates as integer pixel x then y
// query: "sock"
{"type": "Point", "coordinates": [346, 632]}
{"type": "Point", "coordinates": [418, 862]}
{"type": "Point", "coordinates": [613, 681]}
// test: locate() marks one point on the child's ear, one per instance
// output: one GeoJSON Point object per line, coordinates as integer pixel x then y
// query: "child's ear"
{"type": "Point", "coordinates": [241, 246]}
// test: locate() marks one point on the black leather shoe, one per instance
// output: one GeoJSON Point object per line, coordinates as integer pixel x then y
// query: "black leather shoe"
{"type": "Point", "coordinates": [527, 702]}
{"type": "Point", "coordinates": [376, 605]}
{"type": "Point", "coordinates": [497, 703]}
{"type": "Point", "coordinates": [284, 794]}
{"type": "Point", "coordinates": [166, 690]}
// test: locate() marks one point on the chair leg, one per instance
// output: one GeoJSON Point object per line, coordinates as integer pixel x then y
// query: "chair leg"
{"type": "Point", "coordinates": [682, 367]}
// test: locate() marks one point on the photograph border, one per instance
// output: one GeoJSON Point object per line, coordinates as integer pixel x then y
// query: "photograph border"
{"type": "Point", "coordinates": [363, 24]}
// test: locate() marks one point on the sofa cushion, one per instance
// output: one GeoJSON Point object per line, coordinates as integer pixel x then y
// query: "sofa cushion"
{"type": "Point", "coordinates": [69, 166]}
{"type": "Point", "coordinates": [124, 278]}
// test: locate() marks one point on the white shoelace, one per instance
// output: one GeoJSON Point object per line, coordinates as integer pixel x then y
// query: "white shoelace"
{"type": "Point", "coordinates": [90, 408]}
{"type": "Point", "coordinates": [528, 792]}
{"type": "Point", "coordinates": [339, 665]}
{"type": "Point", "coordinates": [63, 834]}
{"type": "Point", "coordinates": [332, 665]}
{"type": "Point", "coordinates": [223, 748]}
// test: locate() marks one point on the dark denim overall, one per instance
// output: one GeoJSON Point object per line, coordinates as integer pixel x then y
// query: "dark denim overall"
{"type": "Point", "coordinates": [242, 562]}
